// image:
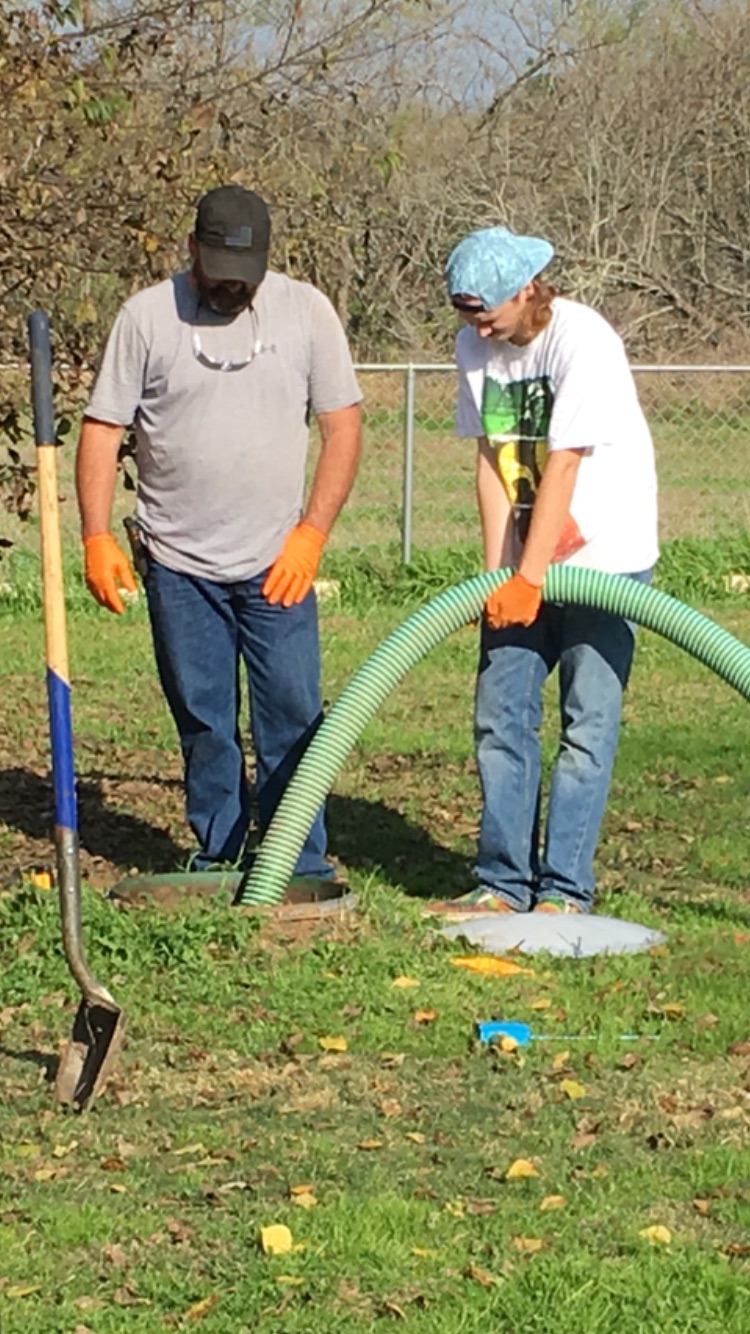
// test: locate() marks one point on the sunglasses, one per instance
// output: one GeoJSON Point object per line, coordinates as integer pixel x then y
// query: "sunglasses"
{"type": "Point", "coordinates": [468, 307]}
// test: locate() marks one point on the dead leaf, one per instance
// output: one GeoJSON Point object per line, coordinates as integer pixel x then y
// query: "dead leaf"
{"type": "Point", "coordinates": [583, 1140]}
{"type": "Point", "coordinates": [113, 1164]}
{"type": "Point", "coordinates": [572, 1089]}
{"type": "Point", "coordinates": [333, 1044]}
{"type": "Point", "coordinates": [491, 964]}
{"type": "Point", "coordinates": [657, 1234]}
{"type": "Point", "coordinates": [201, 1308]}
{"type": "Point", "coordinates": [392, 1308]}
{"type": "Point", "coordinates": [370, 1144]}
{"type": "Point", "coordinates": [541, 1003]}
{"type": "Point", "coordinates": [305, 1199]}
{"type": "Point", "coordinates": [480, 1275]}
{"type": "Point", "coordinates": [62, 1150]}
{"type": "Point", "coordinates": [560, 1060]}
{"type": "Point", "coordinates": [701, 1204]}
{"type": "Point", "coordinates": [195, 1149]}
{"type": "Point", "coordinates": [424, 1252]}
{"type": "Point", "coordinates": [415, 1136]}
{"type": "Point", "coordinates": [425, 1016]}
{"type": "Point", "coordinates": [115, 1254]}
{"type": "Point", "coordinates": [521, 1167]}
{"type": "Point", "coordinates": [628, 1061]}
{"type": "Point", "coordinates": [392, 1059]}
{"type": "Point", "coordinates": [529, 1244]}
{"type": "Point", "coordinates": [22, 1289]}
{"type": "Point", "coordinates": [508, 1043]}
{"type": "Point", "coordinates": [405, 982]}
{"type": "Point", "coordinates": [552, 1202]}
{"type": "Point", "coordinates": [276, 1239]}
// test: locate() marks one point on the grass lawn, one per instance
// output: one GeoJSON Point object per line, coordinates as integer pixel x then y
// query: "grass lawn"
{"type": "Point", "coordinates": [330, 1081]}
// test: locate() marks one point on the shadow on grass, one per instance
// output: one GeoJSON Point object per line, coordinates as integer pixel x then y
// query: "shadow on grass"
{"type": "Point", "coordinates": [27, 806]}
{"type": "Point", "coordinates": [369, 835]}
{"type": "Point", "coordinates": [43, 1060]}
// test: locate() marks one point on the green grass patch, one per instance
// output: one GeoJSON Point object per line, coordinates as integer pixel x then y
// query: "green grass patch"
{"type": "Point", "coordinates": [145, 1214]}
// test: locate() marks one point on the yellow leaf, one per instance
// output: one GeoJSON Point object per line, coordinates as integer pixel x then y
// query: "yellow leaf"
{"type": "Point", "coordinates": [41, 879]}
{"type": "Point", "coordinates": [199, 1309]}
{"type": "Point", "coordinates": [572, 1089]}
{"type": "Point", "coordinates": [673, 1009]}
{"type": "Point", "coordinates": [657, 1233]}
{"type": "Point", "coordinates": [27, 1150]}
{"type": "Point", "coordinates": [22, 1289]}
{"type": "Point", "coordinates": [522, 1167]}
{"type": "Point", "coordinates": [541, 1003]}
{"type": "Point", "coordinates": [415, 1136]}
{"type": "Point", "coordinates": [480, 1275]}
{"type": "Point", "coordinates": [118, 1188]}
{"type": "Point", "coordinates": [455, 1208]}
{"type": "Point", "coordinates": [62, 1150]}
{"type": "Point", "coordinates": [560, 1060]}
{"type": "Point", "coordinates": [189, 1148]}
{"type": "Point", "coordinates": [305, 1199]}
{"type": "Point", "coordinates": [45, 1173]}
{"type": "Point", "coordinates": [275, 1239]}
{"type": "Point", "coordinates": [405, 982]}
{"type": "Point", "coordinates": [508, 1043]}
{"type": "Point", "coordinates": [333, 1043]}
{"type": "Point", "coordinates": [425, 1016]}
{"type": "Point", "coordinates": [289, 1280]}
{"type": "Point", "coordinates": [552, 1202]}
{"type": "Point", "coordinates": [528, 1244]}
{"type": "Point", "coordinates": [370, 1144]}
{"type": "Point", "coordinates": [490, 963]}
{"type": "Point", "coordinates": [424, 1252]}
{"type": "Point", "coordinates": [304, 1189]}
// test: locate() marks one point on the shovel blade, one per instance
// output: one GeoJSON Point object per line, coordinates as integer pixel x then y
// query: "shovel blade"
{"type": "Point", "coordinates": [89, 1056]}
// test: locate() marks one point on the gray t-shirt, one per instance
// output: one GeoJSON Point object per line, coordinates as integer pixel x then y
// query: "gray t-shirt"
{"type": "Point", "coordinates": [220, 409]}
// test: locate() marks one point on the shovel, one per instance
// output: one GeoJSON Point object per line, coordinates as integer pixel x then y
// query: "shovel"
{"type": "Point", "coordinates": [98, 1026]}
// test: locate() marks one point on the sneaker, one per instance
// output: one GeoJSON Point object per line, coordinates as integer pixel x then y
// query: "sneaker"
{"type": "Point", "coordinates": [557, 903]}
{"type": "Point", "coordinates": [477, 902]}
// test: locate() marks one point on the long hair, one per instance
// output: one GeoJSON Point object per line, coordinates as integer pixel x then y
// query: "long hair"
{"type": "Point", "coordinates": [538, 312]}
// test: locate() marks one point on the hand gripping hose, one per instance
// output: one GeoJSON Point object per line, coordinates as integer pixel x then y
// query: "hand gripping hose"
{"type": "Point", "coordinates": [408, 644]}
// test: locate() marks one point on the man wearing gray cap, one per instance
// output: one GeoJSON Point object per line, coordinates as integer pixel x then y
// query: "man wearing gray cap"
{"type": "Point", "coordinates": [218, 370]}
{"type": "Point", "coordinates": [565, 471]}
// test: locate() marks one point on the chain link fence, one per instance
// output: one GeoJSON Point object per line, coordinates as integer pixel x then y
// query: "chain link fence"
{"type": "Point", "coordinates": [416, 483]}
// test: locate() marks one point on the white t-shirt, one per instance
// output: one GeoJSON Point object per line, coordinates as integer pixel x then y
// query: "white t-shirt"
{"type": "Point", "coordinates": [220, 409]}
{"type": "Point", "coordinates": [570, 388]}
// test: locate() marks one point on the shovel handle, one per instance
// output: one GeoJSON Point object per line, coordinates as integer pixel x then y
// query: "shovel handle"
{"type": "Point", "coordinates": [56, 647]}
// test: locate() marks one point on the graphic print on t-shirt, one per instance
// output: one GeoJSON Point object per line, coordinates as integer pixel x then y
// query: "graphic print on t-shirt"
{"type": "Point", "coordinates": [516, 417]}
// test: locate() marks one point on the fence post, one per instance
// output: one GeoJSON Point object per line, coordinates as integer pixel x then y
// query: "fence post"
{"type": "Point", "coordinates": [408, 489]}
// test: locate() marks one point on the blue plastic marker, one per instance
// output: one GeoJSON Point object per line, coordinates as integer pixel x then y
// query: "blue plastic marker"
{"type": "Point", "coordinates": [487, 1029]}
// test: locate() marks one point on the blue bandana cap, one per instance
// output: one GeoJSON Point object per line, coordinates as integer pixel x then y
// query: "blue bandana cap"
{"type": "Point", "coordinates": [494, 264]}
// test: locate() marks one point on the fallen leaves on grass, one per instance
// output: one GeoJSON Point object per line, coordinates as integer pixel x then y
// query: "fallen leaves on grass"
{"type": "Point", "coordinates": [531, 1245]}
{"type": "Point", "coordinates": [657, 1234]}
{"type": "Point", "coordinates": [490, 963]}
{"type": "Point", "coordinates": [479, 1275]}
{"type": "Point", "coordinates": [370, 1144]}
{"type": "Point", "coordinates": [552, 1202]}
{"type": "Point", "coordinates": [405, 982]}
{"type": "Point", "coordinates": [329, 1043]}
{"type": "Point", "coordinates": [276, 1239]}
{"type": "Point", "coordinates": [22, 1289]}
{"type": "Point", "coordinates": [572, 1089]}
{"type": "Point", "coordinates": [425, 1016]}
{"type": "Point", "coordinates": [201, 1308]}
{"type": "Point", "coordinates": [521, 1167]}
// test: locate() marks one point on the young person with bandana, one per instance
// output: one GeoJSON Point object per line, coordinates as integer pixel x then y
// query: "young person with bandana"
{"type": "Point", "coordinates": [218, 370]}
{"type": "Point", "coordinates": [565, 471]}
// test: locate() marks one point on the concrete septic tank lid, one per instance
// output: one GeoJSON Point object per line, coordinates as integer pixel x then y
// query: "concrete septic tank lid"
{"type": "Point", "coordinates": [570, 935]}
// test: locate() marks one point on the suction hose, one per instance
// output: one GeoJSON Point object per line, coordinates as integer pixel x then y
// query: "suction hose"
{"type": "Point", "coordinates": [410, 642]}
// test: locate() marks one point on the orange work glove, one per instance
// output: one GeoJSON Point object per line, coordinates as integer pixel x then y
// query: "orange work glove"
{"type": "Point", "coordinates": [107, 569]}
{"type": "Point", "coordinates": [515, 602]}
{"type": "Point", "coordinates": [290, 578]}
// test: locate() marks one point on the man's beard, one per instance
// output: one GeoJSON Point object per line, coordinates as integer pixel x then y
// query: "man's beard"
{"type": "Point", "coordinates": [223, 298]}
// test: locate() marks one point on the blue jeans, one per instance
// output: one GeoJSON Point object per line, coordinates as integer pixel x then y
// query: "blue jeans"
{"type": "Point", "coordinates": [202, 632]}
{"type": "Point", "coordinates": [594, 652]}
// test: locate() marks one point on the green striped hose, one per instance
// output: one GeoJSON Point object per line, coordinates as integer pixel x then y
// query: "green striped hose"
{"type": "Point", "coordinates": [407, 645]}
